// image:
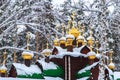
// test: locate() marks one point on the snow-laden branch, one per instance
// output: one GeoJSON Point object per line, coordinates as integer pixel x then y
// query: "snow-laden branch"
{"type": "Point", "coordinates": [20, 49]}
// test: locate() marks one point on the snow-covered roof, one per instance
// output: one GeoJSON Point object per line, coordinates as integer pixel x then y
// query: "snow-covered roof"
{"type": "Point", "coordinates": [70, 36]}
{"type": "Point", "coordinates": [63, 38]}
{"type": "Point", "coordinates": [46, 65]}
{"type": "Point", "coordinates": [62, 52]}
{"type": "Point", "coordinates": [22, 69]}
{"type": "Point", "coordinates": [98, 56]}
{"type": "Point", "coordinates": [91, 53]}
{"type": "Point", "coordinates": [90, 37]}
{"type": "Point", "coordinates": [26, 52]}
{"type": "Point", "coordinates": [3, 67]}
{"type": "Point", "coordinates": [46, 50]}
{"type": "Point", "coordinates": [56, 39]}
{"type": "Point", "coordinates": [88, 68]}
{"type": "Point", "coordinates": [80, 37]}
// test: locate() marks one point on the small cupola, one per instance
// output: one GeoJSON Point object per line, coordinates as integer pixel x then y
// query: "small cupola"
{"type": "Point", "coordinates": [47, 52]}
{"type": "Point", "coordinates": [3, 68]}
{"type": "Point", "coordinates": [111, 65]}
{"type": "Point", "coordinates": [27, 54]}
{"type": "Point", "coordinates": [80, 39]}
{"type": "Point", "coordinates": [90, 41]}
{"type": "Point", "coordinates": [69, 40]}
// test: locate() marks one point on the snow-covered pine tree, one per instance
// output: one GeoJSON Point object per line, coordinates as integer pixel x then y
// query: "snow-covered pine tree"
{"type": "Point", "coordinates": [20, 16]}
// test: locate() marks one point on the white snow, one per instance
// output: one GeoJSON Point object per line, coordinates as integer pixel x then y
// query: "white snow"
{"type": "Point", "coordinates": [63, 52]}
{"type": "Point", "coordinates": [26, 52]}
{"type": "Point", "coordinates": [111, 40]}
{"type": "Point", "coordinates": [116, 75]}
{"type": "Point", "coordinates": [88, 67]}
{"type": "Point", "coordinates": [21, 28]}
{"type": "Point", "coordinates": [63, 38]}
{"type": "Point", "coordinates": [90, 37]}
{"type": "Point", "coordinates": [24, 70]}
{"type": "Point", "coordinates": [46, 50]}
{"type": "Point", "coordinates": [70, 36]}
{"type": "Point", "coordinates": [3, 67]}
{"type": "Point", "coordinates": [85, 78]}
{"type": "Point", "coordinates": [46, 65]}
{"type": "Point", "coordinates": [32, 36]}
{"type": "Point", "coordinates": [91, 53]}
{"type": "Point", "coordinates": [98, 56]}
{"type": "Point", "coordinates": [53, 78]}
{"type": "Point", "coordinates": [81, 37]}
{"type": "Point", "coordinates": [18, 78]}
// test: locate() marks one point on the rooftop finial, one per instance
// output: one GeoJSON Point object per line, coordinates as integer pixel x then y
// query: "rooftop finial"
{"type": "Point", "coordinates": [111, 53]}
{"type": "Point", "coordinates": [28, 39]}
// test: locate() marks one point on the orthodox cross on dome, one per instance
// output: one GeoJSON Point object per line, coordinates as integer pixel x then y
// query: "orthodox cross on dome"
{"type": "Point", "coordinates": [28, 39]}
{"type": "Point", "coordinates": [111, 65]}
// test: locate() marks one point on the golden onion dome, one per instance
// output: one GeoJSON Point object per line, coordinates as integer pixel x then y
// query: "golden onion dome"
{"type": "Point", "coordinates": [3, 69]}
{"type": "Point", "coordinates": [56, 42]}
{"type": "Point", "coordinates": [80, 39]}
{"type": "Point", "coordinates": [62, 40]}
{"type": "Point", "coordinates": [91, 55]}
{"type": "Point", "coordinates": [90, 39]}
{"type": "Point", "coordinates": [27, 55]}
{"type": "Point", "coordinates": [46, 52]}
{"type": "Point", "coordinates": [111, 66]}
{"type": "Point", "coordinates": [74, 31]}
{"type": "Point", "coordinates": [69, 39]}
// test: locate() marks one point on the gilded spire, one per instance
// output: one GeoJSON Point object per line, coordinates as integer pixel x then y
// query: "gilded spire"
{"type": "Point", "coordinates": [37, 37]}
{"type": "Point", "coordinates": [111, 53]}
{"type": "Point", "coordinates": [28, 40]}
{"type": "Point", "coordinates": [90, 40]}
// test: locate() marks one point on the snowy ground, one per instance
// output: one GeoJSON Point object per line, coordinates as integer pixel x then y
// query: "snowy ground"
{"type": "Point", "coordinates": [116, 75]}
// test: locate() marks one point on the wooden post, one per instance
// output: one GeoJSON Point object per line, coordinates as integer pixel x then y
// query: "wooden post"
{"type": "Point", "coordinates": [14, 49]}
{"type": "Point", "coordinates": [37, 37]}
